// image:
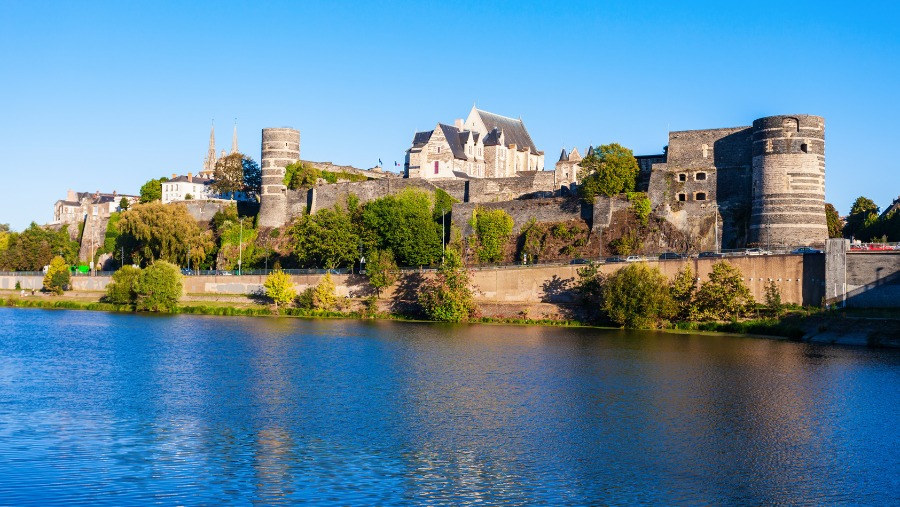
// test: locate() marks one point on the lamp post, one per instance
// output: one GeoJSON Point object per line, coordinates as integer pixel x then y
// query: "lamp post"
{"type": "Point", "coordinates": [241, 246]}
{"type": "Point", "coordinates": [443, 231]}
{"type": "Point", "coordinates": [716, 225]}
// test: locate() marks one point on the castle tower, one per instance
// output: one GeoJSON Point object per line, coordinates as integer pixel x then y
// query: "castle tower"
{"type": "Point", "coordinates": [280, 148]}
{"type": "Point", "coordinates": [788, 191]}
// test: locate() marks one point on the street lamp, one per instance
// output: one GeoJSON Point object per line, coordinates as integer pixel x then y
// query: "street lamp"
{"type": "Point", "coordinates": [716, 225]}
{"type": "Point", "coordinates": [241, 246]}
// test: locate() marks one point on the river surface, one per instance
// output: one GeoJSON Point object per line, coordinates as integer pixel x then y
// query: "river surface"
{"type": "Point", "coordinates": [121, 409]}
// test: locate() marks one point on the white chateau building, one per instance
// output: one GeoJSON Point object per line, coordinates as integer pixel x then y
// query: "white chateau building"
{"type": "Point", "coordinates": [486, 145]}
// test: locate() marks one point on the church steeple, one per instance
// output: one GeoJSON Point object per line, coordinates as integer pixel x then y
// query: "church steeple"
{"type": "Point", "coordinates": [209, 165]}
{"type": "Point", "coordinates": [234, 146]}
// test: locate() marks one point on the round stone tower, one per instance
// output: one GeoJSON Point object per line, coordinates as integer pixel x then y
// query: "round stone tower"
{"type": "Point", "coordinates": [788, 181]}
{"type": "Point", "coordinates": [280, 148]}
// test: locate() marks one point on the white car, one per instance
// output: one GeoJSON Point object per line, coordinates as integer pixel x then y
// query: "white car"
{"type": "Point", "coordinates": [756, 251]}
{"type": "Point", "coordinates": [634, 258]}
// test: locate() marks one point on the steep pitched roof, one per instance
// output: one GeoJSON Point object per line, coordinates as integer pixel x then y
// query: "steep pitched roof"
{"type": "Point", "coordinates": [563, 157]}
{"type": "Point", "coordinates": [492, 138]}
{"type": "Point", "coordinates": [514, 130]}
{"type": "Point", "coordinates": [452, 136]}
{"type": "Point", "coordinates": [422, 138]}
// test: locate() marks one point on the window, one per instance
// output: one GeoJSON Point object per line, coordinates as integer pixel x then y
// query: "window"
{"type": "Point", "coordinates": [437, 167]}
{"type": "Point", "coordinates": [682, 197]}
{"type": "Point", "coordinates": [700, 176]}
{"type": "Point", "coordinates": [700, 196]}
{"type": "Point", "coordinates": [804, 148]}
{"type": "Point", "coordinates": [682, 177]}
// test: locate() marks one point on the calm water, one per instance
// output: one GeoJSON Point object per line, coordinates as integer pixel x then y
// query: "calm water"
{"type": "Point", "coordinates": [113, 409]}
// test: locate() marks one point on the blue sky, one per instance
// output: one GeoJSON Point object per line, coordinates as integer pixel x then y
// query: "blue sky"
{"type": "Point", "coordinates": [104, 96]}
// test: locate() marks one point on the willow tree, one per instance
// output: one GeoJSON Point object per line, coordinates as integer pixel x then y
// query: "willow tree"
{"type": "Point", "coordinates": [156, 231]}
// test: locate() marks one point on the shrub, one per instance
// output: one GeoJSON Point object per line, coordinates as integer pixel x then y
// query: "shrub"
{"type": "Point", "coordinates": [57, 278]}
{"type": "Point", "coordinates": [492, 228]}
{"type": "Point", "coordinates": [724, 296]}
{"type": "Point", "coordinates": [447, 297]}
{"type": "Point", "coordinates": [323, 297]}
{"type": "Point", "coordinates": [683, 288]}
{"type": "Point", "coordinates": [158, 287]}
{"type": "Point", "coordinates": [640, 205]}
{"type": "Point", "coordinates": [120, 290]}
{"type": "Point", "coordinates": [382, 270]}
{"type": "Point", "coordinates": [279, 287]}
{"type": "Point", "coordinates": [637, 296]}
{"type": "Point", "coordinates": [773, 298]}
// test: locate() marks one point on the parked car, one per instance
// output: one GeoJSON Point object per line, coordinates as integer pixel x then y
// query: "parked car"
{"type": "Point", "coordinates": [756, 251]}
{"type": "Point", "coordinates": [580, 261]}
{"type": "Point", "coordinates": [614, 259]}
{"type": "Point", "coordinates": [806, 250]}
{"type": "Point", "coordinates": [709, 255]}
{"type": "Point", "coordinates": [634, 258]}
{"type": "Point", "coordinates": [670, 256]}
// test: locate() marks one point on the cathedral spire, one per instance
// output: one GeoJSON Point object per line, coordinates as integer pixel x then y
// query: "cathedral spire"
{"type": "Point", "coordinates": [209, 165]}
{"type": "Point", "coordinates": [234, 146]}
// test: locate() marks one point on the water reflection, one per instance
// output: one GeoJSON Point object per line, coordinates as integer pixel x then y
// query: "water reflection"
{"type": "Point", "coordinates": [122, 409]}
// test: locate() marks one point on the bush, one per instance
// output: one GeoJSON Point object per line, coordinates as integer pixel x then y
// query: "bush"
{"type": "Point", "coordinates": [323, 297]}
{"type": "Point", "coordinates": [724, 296]}
{"type": "Point", "coordinates": [382, 270]}
{"type": "Point", "coordinates": [640, 205]}
{"type": "Point", "coordinates": [447, 297]}
{"type": "Point", "coordinates": [637, 296]}
{"type": "Point", "coordinates": [773, 298]}
{"type": "Point", "coordinates": [279, 287]}
{"type": "Point", "coordinates": [158, 287]}
{"type": "Point", "coordinates": [120, 290]}
{"type": "Point", "coordinates": [57, 278]}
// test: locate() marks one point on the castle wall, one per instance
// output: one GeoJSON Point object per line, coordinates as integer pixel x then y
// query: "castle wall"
{"type": "Point", "coordinates": [280, 147]}
{"type": "Point", "coordinates": [558, 209]}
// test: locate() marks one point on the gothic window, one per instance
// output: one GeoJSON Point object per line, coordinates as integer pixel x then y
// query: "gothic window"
{"type": "Point", "coordinates": [700, 176]}
{"type": "Point", "coordinates": [700, 196]}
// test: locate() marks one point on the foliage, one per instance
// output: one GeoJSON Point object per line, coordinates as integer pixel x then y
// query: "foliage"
{"type": "Point", "coordinates": [279, 287]}
{"type": "Point", "coordinates": [724, 296]}
{"type": "Point", "coordinates": [32, 249]}
{"type": "Point", "coordinates": [863, 212]}
{"type": "Point", "coordinates": [326, 239]}
{"type": "Point", "coordinates": [299, 175]}
{"type": "Point", "coordinates": [155, 231]}
{"type": "Point", "coordinates": [152, 190]}
{"type": "Point", "coordinates": [323, 296]}
{"type": "Point", "coordinates": [835, 224]}
{"type": "Point", "coordinates": [237, 238]}
{"type": "Point", "coordinates": [492, 230]}
{"type": "Point", "coordinates": [188, 197]}
{"type": "Point", "coordinates": [229, 175]}
{"type": "Point", "coordinates": [158, 287]}
{"type": "Point", "coordinates": [640, 205]}
{"type": "Point", "coordinates": [637, 296]}
{"type": "Point", "coordinates": [447, 297]}
{"type": "Point", "coordinates": [532, 241]}
{"type": "Point", "coordinates": [252, 177]}
{"type": "Point", "coordinates": [334, 177]}
{"type": "Point", "coordinates": [773, 298]}
{"type": "Point", "coordinates": [628, 244]}
{"type": "Point", "coordinates": [443, 203]}
{"type": "Point", "coordinates": [121, 290]}
{"type": "Point", "coordinates": [611, 169]}
{"type": "Point", "coordinates": [563, 232]}
{"type": "Point", "coordinates": [124, 203]}
{"type": "Point", "coordinates": [57, 278]}
{"type": "Point", "coordinates": [404, 224]}
{"type": "Point", "coordinates": [111, 235]}
{"type": "Point", "coordinates": [382, 270]}
{"type": "Point", "coordinates": [589, 285]}
{"type": "Point", "coordinates": [683, 289]}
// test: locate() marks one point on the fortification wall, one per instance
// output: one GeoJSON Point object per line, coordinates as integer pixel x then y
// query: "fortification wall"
{"type": "Point", "coordinates": [280, 147]}
{"type": "Point", "coordinates": [374, 173]}
{"type": "Point", "coordinates": [93, 237]}
{"type": "Point", "coordinates": [558, 209]}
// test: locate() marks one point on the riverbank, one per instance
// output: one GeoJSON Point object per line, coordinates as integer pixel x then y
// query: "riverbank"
{"type": "Point", "coordinates": [866, 328]}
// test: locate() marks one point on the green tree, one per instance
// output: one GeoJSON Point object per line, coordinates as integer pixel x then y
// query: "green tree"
{"type": "Point", "coordinates": [120, 290]}
{"type": "Point", "coordinates": [493, 229]}
{"type": "Point", "coordinates": [609, 170]}
{"type": "Point", "coordinates": [324, 297]}
{"type": "Point", "coordinates": [683, 290]}
{"type": "Point", "coordinates": [124, 203]}
{"type": "Point", "coordinates": [252, 178]}
{"type": "Point", "coordinates": [155, 231]}
{"type": "Point", "coordinates": [280, 288]}
{"type": "Point", "coordinates": [326, 239]}
{"type": "Point", "coordinates": [773, 298]}
{"type": "Point", "coordinates": [382, 270]}
{"type": "Point", "coordinates": [637, 296]}
{"type": "Point", "coordinates": [448, 297]}
{"type": "Point", "coordinates": [4, 237]}
{"type": "Point", "coordinates": [640, 205]}
{"type": "Point", "coordinates": [151, 191]}
{"type": "Point", "coordinates": [158, 287]}
{"type": "Point", "coordinates": [229, 175]}
{"type": "Point", "coordinates": [299, 175]}
{"type": "Point", "coordinates": [724, 296]}
{"type": "Point", "coordinates": [589, 286]}
{"type": "Point", "coordinates": [835, 224]}
{"type": "Point", "coordinates": [32, 249]}
{"type": "Point", "coordinates": [863, 212]}
{"type": "Point", "coordinates": [404, 223]}
{"type": "Point", "coordinates": [57, 278]}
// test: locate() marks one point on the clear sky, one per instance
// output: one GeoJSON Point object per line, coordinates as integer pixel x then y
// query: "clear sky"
{"type": "Point", "coordinates": [104, 96]}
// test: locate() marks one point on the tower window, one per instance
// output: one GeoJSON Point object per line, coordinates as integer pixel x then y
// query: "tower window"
{"type": "Point", "coordinates": [682, 177]}
{"type": "Point", "coordinates": [804, 148]}
{"type": "Point", "coordinates": [682, 197]}
{"type": "Point", "coordinates": [700, 196]}
{"type": "Point", "coordinates": [700, 176]}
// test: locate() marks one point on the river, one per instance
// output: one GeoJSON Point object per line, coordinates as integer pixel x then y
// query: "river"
{"type": "Point", "coordinates": [121, 409]}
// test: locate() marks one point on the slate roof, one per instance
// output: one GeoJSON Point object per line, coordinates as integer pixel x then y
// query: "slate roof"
{"type": "Point", "coordinates": [452, 135]}
{"type": "Point", "coordinates": [492, 138]}
{"type": "Point", "coordinates": [563, 157]}
{"type": "Point", "coordinates": [184, 179]}
{"type": "Point", "coordinates": [895, 206]}
{"type": "Point", "coordinates": [422, 138]}
{"type": "Point", "coordinates": [513, 130]}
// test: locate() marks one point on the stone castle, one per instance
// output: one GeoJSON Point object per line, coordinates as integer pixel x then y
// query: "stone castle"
{"type": "Point", "coordinates": [730, 187]}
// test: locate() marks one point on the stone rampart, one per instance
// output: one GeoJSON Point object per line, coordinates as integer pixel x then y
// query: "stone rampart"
{"type": "Point", "coordinates": [374, 173]}
{"type": "Point", "coordinates": [558, 209]}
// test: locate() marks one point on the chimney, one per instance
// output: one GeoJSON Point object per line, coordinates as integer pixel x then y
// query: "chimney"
{"type": "Point", "coordinates": [174, 176]}
{"type": "Point", "coordinates": [190, 178]}
{"type": "Point", "coordinates": [115, 194]}
{"type": "Point", "coordinates": [71, 196]}
{"type": "Point", "coordinates": [458, 123]}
